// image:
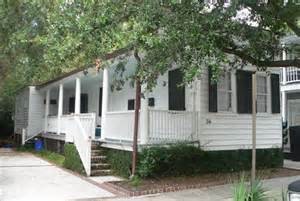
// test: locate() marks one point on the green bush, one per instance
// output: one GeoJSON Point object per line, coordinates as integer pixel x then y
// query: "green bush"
{"type": "Point", "coordinates": [184, 159]}
{"type": "Point", "coordinates": [120, 162]}
{"type": "Point", "coordinates": [174, 160]}
{"type": "Point", "coordinates": [72, 159]}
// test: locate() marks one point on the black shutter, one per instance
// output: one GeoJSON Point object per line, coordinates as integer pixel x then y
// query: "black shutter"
{"type": "Point", "coordinates": [244, 91]}
{"type": "Point", "coordinates": [100, 102]}
{"type": "Point", "coordinates": [212, 93]}
{"type": "Point", "coordinates": [176, 90]}
{"type": "Point", "coordinates": [84, 103]}
{"type": "Point", "coordinates": [72, 105]}
{"type": "Point", "coordinates": [275, 93]}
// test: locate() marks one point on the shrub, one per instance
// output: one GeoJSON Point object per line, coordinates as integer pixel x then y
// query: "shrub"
{"type": "Point", "coordinates": [120, 162]}
{"type": "Point", "coordinates": [174, 160]}
{"type": "Point", "coordinates": [245, 192]}
{"type": "Point", "coordinates": [72, 159]}
{"type": "Point", "coordinates": [182, 159]}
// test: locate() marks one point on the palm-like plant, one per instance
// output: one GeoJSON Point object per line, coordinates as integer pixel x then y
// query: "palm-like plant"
{"type": "Point", "coordinates": [245, 192]}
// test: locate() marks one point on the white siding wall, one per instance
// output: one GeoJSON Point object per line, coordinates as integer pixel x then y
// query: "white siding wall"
{"type": "Point", "coordinates": [118, 100]}
{"type": "Point", "coordinates": [21, 110]}
{"type": "Point", "coordinates": [36, 112]}
{"type": "Point", "coordinates": [225, 131]}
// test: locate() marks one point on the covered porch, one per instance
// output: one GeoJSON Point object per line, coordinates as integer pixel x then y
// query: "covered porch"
{"type": "Point", "coordinates": [85, 102]}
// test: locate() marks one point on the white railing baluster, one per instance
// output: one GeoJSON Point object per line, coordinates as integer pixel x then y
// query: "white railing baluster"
{"type": "Point", "coordinates": [289, 75]}
{"type": "Point", "coordinates": [171, 126]}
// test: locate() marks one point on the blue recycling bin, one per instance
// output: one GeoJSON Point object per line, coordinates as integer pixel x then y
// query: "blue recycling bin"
{"type": "Point", "coordinates": [98, 132]}
{"type": "Point", "coordinates": [38, 145]}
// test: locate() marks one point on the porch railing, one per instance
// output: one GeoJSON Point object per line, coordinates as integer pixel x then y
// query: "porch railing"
{"type": "Point", "coordinates": [119, 125]}
{"type": "Point", "coordinates": [290, 75]}
{"type": "Point", "coordinates": [52, 124]}
{"type": "Point", "coordinates": [79, 129]}
{"type": "Point", "coordinates": [167, 126]}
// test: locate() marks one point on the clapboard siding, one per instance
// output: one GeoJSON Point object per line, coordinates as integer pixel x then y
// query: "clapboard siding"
{"type": "Point", "coordinates": [21, 111]}
{"type": "Point", "coordinates": [230, 130]}
{"type": "Point", "coordinates": [36, 112]}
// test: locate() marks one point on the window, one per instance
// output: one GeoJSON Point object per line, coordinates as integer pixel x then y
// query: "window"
{"type": "Point", "coordinates": [224, 92]}
{"type": "Point", "coordinates": [262, 93]}
{"type": "Point", "coordinates": [151, 102]}
{"type": "Point", "coordinates": [131, 104]}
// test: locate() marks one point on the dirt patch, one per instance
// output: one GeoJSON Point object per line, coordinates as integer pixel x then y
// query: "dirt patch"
{"type": "Point", "coordinates": [170, 184]}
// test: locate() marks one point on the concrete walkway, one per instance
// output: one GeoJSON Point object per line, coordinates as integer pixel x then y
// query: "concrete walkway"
{"type": "Point", "coordinates": [291, 164]}
{"type": "Point", "coordinates": [26, 177]}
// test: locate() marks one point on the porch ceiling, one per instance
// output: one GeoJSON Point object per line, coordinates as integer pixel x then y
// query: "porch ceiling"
{"type": "Point", "coordinates": [69, 82]}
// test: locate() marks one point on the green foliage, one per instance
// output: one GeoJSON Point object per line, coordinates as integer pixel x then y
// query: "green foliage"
{"type": "Point", "coordinates": [135, 181]}
{"type": "Point", "coordinates": [72, 159]}
{"type": "Point", "coordinates": [240, 191]}
{"type": "Point", "coordinates": [42, 39]}
{"type": "Point", "coordinates": [174, 160]}
{"type": "Point", "coordinates": [120, 162]}
{"type": "Point", "coordinates": [244, 192]}
{"type": "Point", "coordinates": [56, 158]}
{"type": "Point", "coordinates": [53, 157]}
{"type": "Point", "coordinates": [183, 159]}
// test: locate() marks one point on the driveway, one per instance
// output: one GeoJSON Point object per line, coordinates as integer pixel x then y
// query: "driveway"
{"type": "Point", "coordinates": [26, 177]}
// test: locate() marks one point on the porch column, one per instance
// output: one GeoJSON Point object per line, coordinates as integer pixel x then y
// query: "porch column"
{"type": "Point", "coordinates": [60, 107]}
{"type": "Point", "coordinates": [47, 105]}
{"type": "Point", "coordinates": [283, 106]}
{"type": "Point", "coordinates": [144, 116]}
{"type": "Point", "coordinates": [284, 69]}
{"type": "Point", "coordinates": [105, 90]}
{"type": "Point", "coordinates": [77, 96]}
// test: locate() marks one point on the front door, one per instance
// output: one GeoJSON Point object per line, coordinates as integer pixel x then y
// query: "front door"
{"type": "Point", "coordinates": [176, 91]}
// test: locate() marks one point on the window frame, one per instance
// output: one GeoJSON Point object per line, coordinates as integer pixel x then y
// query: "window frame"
{"type": "Point", "coordinates": [229, 92]}
{"type": "Point", "coordinates": [266, 93]}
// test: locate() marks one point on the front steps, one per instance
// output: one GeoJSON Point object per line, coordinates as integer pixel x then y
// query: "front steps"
{"type": "Point", "coordinates": [99, 165]}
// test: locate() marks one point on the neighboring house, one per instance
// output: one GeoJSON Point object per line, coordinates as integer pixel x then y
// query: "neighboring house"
{"type": "Point", "coordinates": [72, 107]}
{"type": "Point", "coordinates": [290, 87]}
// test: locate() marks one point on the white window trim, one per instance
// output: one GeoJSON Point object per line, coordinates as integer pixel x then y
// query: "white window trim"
{"type": "Point", "coordinates": [231, 91]}
{"type": "Point", "coordinates": [267, 94]}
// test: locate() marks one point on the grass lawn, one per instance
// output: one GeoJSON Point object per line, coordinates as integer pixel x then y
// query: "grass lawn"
{"type": "Point", "coordinates": [55, 158]}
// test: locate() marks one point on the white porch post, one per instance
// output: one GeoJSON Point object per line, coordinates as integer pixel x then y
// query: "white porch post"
{"type": "Point", "coordinates": [284, 69]}
{"type": "Point", "coordinates": [47, 105]}
{"type": "Point", "coordinates": [105, 90]}
{"type": "Point", "coordinates": [60, 107]}
{"type": "Point", "coordinates": [77, 96]}
{"type": "Point", "coordinates": [144, 117]}
{"type": "Point", "coordinates": [283, 106]}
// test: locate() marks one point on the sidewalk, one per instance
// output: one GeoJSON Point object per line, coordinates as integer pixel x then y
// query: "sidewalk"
{"type": "Point", "coordinates": [217, 193]}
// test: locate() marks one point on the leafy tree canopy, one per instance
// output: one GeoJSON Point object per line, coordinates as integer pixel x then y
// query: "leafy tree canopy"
{"type": "Point", "coordinates": [41, 39]}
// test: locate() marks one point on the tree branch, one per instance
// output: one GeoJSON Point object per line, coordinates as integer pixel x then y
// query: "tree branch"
{"type": "Point", "coordinates": [262, 63]}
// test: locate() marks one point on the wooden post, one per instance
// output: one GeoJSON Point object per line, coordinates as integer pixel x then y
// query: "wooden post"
{"type": "Point", "coordinates": [77, 95]}
{"type": "Point", "coordinates": [136, 125]}
{"type": "Point", "coordinates": [253, 170]}
{"type": "Point", "coordinates": [136, 115]}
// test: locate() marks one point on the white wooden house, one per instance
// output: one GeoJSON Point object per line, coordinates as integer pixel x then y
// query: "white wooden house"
{"type": "Point", "coordinates": [290, 86]}
{"type": "Point", "coordinates": [71, 107]}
